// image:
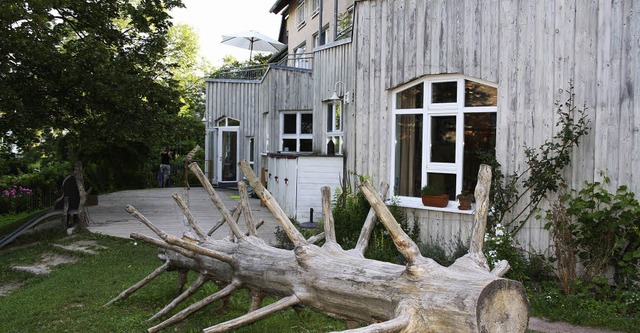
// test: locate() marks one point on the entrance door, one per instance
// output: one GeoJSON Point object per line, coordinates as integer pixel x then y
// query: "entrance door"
{"type": "Point", "coordinates": [227, 155]}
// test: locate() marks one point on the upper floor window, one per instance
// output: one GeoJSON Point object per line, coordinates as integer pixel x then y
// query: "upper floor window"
{"type": "Point", "coordinates": [300, 13]}
{"type": "Point", "coordinates": [297, 131]}
{"type": "Point", "coordinates": [334, 128]}
{"type": "Point", "coordinates": [315, 6]}
{"type": "Point", "coordinates": [443, 127]}
{"type": "Point", "coordinates": [321, 39]}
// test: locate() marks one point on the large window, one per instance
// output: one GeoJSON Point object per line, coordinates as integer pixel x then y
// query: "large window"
{"type": "Point", "coordinates": [297, 131]}
{"type": "Point", "coordinates": [334, 127]}
{"type": "Point", "coordinates": [443, 127]}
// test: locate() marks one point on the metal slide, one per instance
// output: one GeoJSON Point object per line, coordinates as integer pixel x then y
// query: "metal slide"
{"type": "Point", "coordinates": [28, 225]}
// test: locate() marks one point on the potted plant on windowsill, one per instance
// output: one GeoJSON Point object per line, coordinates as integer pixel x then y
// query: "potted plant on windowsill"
{"type": "Point", "coordinates": [434, 197]}
{"type": "Point", "coordinates": [464, 200]}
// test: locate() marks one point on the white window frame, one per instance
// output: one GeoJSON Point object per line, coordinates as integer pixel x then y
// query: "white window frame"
{"type": "Point", "coordinates": [298, 135]}
{"type": "Point", "coordinates": [300, 14]}
{"type": "Point", "coordinates": [316, 39]}
{"type": "Point", "coordinates": [251, 151]}
{"type": "Point", "coordinates": [315, 7]}
{"type": "Point", "coordinates": [335, 131]}
{"type": "Point", "coordinates": [429, 110]}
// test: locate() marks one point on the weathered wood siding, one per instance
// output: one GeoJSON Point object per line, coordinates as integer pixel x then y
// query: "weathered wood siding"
{"type": "Point", "coordinates": [283, 89]}
{"type": "Point", "coordinates": [332, 63]}
{"type": "Point", "coordinates": [531, 49]}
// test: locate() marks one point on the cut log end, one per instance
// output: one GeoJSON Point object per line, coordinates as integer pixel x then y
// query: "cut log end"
{"type": "Point", "coordinates": [503, 307]}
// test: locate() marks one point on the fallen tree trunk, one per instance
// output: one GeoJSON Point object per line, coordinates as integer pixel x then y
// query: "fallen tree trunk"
{"type": "Point", "coordinates": [419, 297]}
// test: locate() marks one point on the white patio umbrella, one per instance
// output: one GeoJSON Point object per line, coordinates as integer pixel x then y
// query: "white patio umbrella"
{"type": "Point", "coordinates": [253, 40]}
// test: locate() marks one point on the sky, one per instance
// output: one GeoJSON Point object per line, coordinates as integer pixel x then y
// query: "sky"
{"type": "Point", "coordinates": [211, 19]}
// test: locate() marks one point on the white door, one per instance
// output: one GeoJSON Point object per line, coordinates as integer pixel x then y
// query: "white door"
{"type": "Point", "coordinates": [227, 155]}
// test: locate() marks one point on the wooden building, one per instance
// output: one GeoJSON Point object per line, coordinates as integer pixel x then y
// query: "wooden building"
{"type": "Point", "coordinates": [423, 85]}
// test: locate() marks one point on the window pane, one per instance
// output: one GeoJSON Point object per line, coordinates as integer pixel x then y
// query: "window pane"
{"type": "Point", "coordinates": [479, 143]}
{"type": "Point", "coordinates": [306, 145]}
{"type": "Point", "coordinates": [444, 92]}
{"type": "Point", "coordinates": [411, 98]}
{"type": "Point", "coordinates": [306, 126]}
{"type": "Point", "coordinates": [338, 114]}
{"type": "Point", "coordinates": [408, 157]}
{"type": "Point", "coordinates": [443, 181]}
{"type": "Point", "coordinates": [443, 139]}
{"type": "Point", "coordinates": [329, 117]}
{"type": "Point", "coordinates": [289, 145]}
{"type": "Point", "coordinates": [233, 122]}
{"type": "Point", "coordinates": [289, 123]}
{"type": "Point", "coordinates": [478, 94]}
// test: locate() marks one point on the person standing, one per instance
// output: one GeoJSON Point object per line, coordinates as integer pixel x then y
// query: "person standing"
{"type": "Point", "coordinates": [165, 166]}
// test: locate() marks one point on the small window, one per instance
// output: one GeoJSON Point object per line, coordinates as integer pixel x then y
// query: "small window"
{"type": "Point", "coordinates": [334, 128]}
{"type": "Point", "coordinates": [297, 131]}
{"type": "Point", "coordinates": [410, 98]}
{"type": "Point", "coordinates": [444, 92]}
{"type": "Point", "coordinates": [300, 13]}
{"type": "Point", "coordinates": [251, 152]}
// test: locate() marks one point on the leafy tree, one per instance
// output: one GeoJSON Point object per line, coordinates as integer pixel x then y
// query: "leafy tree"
{"type": "Point", "coordinates": [90, 75]}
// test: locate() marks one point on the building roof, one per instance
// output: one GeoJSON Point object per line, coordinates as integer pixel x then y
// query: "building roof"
{"type": "Point", "coordinates": [278, 6]}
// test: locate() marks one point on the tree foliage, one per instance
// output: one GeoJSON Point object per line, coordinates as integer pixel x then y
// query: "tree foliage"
{"type": "Point", "coordinates": [93, 76]}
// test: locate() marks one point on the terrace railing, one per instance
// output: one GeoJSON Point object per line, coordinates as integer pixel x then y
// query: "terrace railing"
{"type": "Point", "coordinates": [256, 72]}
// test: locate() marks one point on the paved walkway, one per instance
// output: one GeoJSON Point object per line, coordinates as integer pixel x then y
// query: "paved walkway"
{"type": "Point", "coordinates": [110, 217]}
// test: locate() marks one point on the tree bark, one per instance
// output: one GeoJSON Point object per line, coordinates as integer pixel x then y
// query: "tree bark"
{"type": "Point", "coordinates": [419, 297]}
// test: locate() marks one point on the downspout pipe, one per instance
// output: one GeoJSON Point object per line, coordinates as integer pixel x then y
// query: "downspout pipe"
{"type": "Point", "coordinates": [335, 20]}
{"type": "Point", "coordinates": [320, 24]}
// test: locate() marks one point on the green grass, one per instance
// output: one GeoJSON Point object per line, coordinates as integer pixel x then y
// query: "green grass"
{"type": "Point", "coordinates": [71, 298]}
{"type": "Point", "coordinates": [9, 222]}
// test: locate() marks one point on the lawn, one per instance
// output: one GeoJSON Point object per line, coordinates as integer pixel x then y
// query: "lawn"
{"type": "Point", "coordinates": [71, 298]}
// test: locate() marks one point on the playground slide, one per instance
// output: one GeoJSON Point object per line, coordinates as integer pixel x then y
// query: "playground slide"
{"type": "Point", "coordinates": [28, 225]}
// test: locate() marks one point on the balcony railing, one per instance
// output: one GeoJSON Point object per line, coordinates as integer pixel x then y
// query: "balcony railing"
{"type": "Point", "coordinates": [256, 72]}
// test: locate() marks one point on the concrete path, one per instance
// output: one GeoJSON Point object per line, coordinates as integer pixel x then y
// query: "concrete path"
{"type": "Point", "coordinates": [110, 218]}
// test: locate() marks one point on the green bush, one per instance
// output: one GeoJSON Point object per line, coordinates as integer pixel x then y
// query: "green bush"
{"type": "Point", "coordinates": [605, 231]}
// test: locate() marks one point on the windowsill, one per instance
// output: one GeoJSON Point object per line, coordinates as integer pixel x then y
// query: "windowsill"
{"type": "Point", "coordinates": [301, 25]}
{"type": "Point", "coordinates": [416, 203]}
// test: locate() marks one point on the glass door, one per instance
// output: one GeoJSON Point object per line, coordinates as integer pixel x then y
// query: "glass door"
{"type": "Point", "coordinates": [227, 159]}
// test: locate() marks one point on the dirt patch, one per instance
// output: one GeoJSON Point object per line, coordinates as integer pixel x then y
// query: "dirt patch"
{"type": "Point", "coordinates": [84, 246]}
{"type": "Point", "coordinates": [47, 261]}
{"type": "Point", "coordinates": [7, 288]}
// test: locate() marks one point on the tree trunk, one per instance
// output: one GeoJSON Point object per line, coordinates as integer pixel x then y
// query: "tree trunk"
{"type": "Point", "coordinates": [419, 297]}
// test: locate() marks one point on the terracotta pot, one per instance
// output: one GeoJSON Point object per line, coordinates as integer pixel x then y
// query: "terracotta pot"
{"type": "Point", "coordinates": [441, 200]}
{"type": "Point", "coordinates": [465, 203]}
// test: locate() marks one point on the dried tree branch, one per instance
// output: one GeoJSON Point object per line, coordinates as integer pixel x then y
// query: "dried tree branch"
{"type": "Point", "coordinates": [482, 207]}
{"type": "Point", "coordinates": [162, 244]}
{"type": "Point", "coordinates": [253, 316]}
{"type": "Point", "coordinates": [199, 249]}
{"type": "Point", "coordinates": [190, 219]}
{"type": "Point", "coordinates": [248, 214]}
{"type": "Point", "coordinates": [135, 213]}
{"type": "Point", "coordinates": [294, 235]}
{"type": "Point", "coordinates": [224, 292]}
{"type": "Point", "coordinates": [329, 227]}
{"type": "Point", "coordinates": [389, 326]}
{"type": "Point", "coordinates": [140, 283]}
{"type": "Point", "coordinates": [405, 245]}
{"type": "Point", "coordinates": [236, 217]}
{"type": "Point", "coordinates": [367, 228]}
{"type": "Point", "coordinates": [216, 200]}
{"type": "Point", "coordinates": [190, 291]}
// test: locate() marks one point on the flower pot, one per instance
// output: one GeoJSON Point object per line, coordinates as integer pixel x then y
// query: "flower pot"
{"type": "Point", "coordinates": [465, 203]}
{"type": "Point", "coordinates": [441, 200]}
